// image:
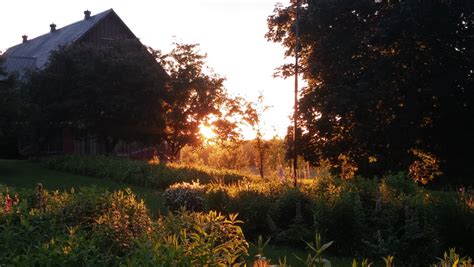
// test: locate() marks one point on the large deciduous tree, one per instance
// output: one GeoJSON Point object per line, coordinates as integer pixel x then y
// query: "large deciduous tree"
{"type": "Point", "coordinates": [389, 85]}
{"type": "Point", "coordinates": [115, 92]}
{"type": "Point", "coordinates": [195, 96]}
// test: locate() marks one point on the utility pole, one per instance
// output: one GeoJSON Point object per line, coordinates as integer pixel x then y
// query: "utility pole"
{"type": "Point", "coordinates": [295, 114]}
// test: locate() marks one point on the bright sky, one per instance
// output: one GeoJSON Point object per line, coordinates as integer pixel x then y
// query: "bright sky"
{"type": "Point", "coordinates": [231, 32]}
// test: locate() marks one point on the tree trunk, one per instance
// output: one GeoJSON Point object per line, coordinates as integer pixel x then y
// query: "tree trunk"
{"type": "Point", "coordinates": [260, 156]}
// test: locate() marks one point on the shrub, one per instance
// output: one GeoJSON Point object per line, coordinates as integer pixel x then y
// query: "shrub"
{"type": "Point", "coordinates": [97, 228]}
{"type": "Point", "coordinates": [397, 187]}
{"type": "Point", "coordinates": [217, 198]}
{"type": "Point", "coordinates": [192, 239]}
{"type": "Point", "coordinates": [364, 217]}
{"type": "Point", "coordinates": [72, 248]}
{"type": "Point", "coordinates": [453, 220]}
{"type": "Point", "coordinates": [292, 213]}
{"type": "Point", "coordinates": [292, 206]}
{"type": "Point", "coordinates": [187, 195]}
{"type": "Point", "coordinates": [341, 218]}
{"type": "Point", "coordinates": [254, 208]}
{"type": "Point", "coordinates": [121, 220]}
{"type": "Point", "coordinates": [88, 227]}
{"type": "Point", "coordinates": [159, 176]}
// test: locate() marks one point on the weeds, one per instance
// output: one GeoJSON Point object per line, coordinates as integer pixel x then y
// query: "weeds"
{"type": "Point", "coordinates": [315, 257]}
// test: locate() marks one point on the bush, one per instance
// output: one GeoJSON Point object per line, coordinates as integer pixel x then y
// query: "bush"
{"type": "Point", "coordinates": [185, 195]}
{"type": "Point", "coordinates": [217, 198]}
{"type": "Point", "coordinates": [390, 216]}
{"type": "Point", "coordinates": [121, 220]}
{"type": "Point", "coordinates": [72, 248]}
{"type": "Point", "coordinates": [453, 220]}
{"type": "Point", "coordinates": [192, 239]}
{"type": "Point", "coordinates": [97, 228]}
{"type": "Point", "coordinates": [292, 206]}
{"type": "Point", "coordinates": [254, 208]}
{"type": "Point", "coordinates": [364, 217]}
{"type": "Point", "coordinates": [54, 228]}
{"type": "Point", "coordinates": [293, 215]}
{"type": "Point", "coordinates": [159, 176]}
{"type": "Point", "coordinates": [340, 218]}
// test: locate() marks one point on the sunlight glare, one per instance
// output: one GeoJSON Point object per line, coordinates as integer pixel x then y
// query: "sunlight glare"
{"type": "Point", "coordinates": [206, 132]}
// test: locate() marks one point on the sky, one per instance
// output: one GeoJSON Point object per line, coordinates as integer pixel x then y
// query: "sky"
{"type": "Point", "coordinates": [231, 32]}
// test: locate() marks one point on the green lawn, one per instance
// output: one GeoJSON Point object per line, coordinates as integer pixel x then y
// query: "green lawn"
{"type": "Point", "coordinates": [26, 174]}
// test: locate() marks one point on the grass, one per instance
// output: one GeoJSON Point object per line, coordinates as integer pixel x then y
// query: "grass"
{"type": "Point", "coordinates": [26, 174]}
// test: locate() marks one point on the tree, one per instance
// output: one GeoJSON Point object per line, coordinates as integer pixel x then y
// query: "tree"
{"type": "Point", "coordinates": [10, 113]}
{"type": "Point", "coordinates": [195, 96]}
{"type": "Point", "coordinates": [388, 84]}
{"type": "Point", "coordinates": [253, 116]}
{"type": "Point", "coordinates": [114, 92]}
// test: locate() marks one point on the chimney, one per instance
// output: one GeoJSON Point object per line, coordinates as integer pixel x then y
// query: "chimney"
{"type": "Point", "coordinates": [25, 38]}
{"type": "Point", "coordinates": [53, 27]}
{"type": "Point", "coordinates": [87, 15]}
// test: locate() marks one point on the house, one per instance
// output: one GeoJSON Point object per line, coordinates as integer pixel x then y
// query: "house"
{"type": "Point", "coordinates": [33, 54]}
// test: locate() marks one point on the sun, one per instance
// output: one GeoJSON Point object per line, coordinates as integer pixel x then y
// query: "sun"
{"type": "Point", "coordinates": [206, 132]}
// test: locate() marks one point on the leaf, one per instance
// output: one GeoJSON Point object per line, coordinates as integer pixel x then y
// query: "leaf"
{"type": "Point", "coordinates": [325, 246]}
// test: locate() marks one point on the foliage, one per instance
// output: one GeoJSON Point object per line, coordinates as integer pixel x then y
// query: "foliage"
{"type": "Point", "coordinates": [228, 156]}
{"type": "Point", "coordinates": [10, 108]}
{"type": "Point", "coordinates": [292, 213]}
{"type": "Point", "coordinates": [383, 79]}
{"type": "Point", "coordinates": [389, 261]}
{"type": "Point", "coordinates": [185, 195]}
{"type": "Point", "coordinates": [158, 176]}
{"type": "Point", "coordinates": [253, 116]}
{"type": "Point", "coordinates": [194, 95]}
{"type": "Point", "coordinates": [121, 221]}
{"type": "Point", "coordinates": [253, 206]}
{"type": "Point", "coordinates": [252, 200]}
{"type": "Point", "coordinates": [92, 228]}
{"type": "Point", "coordinates": [363, 263]}
{"type": "Point", "coordinates": [80, 90]}
{"type": "Point", "coordinates": [242, 156]}
{"type": "Point", "coordinates": [340, 216]}
{"type": "Point", "coordinates": [426, 168]}
{"type": "Point", "coordinates": [453, 259]}
{"type": "Point", "coordinates": [192, 239]}
{"type": "Point", "coordinates": [315, 257]}
{"type": "Point", "coordinates": [24, 174]}
{"type": "Point", "coordinates": [292, 205]}
{"type": "Point", "coordinates": [88, 227]}
{"type": "Point", "coordinates": [453, 219]}
{"type": "Point", "coordinates": [217, 198]}
{"type": "Point", "coordinates": [138, 100]}
{"type": "Point", "coordinates": [370, 218]}
{"type": "Point", "coordinates": [260, 246]}
{"type": "Point", "coordinates": [374, 218]}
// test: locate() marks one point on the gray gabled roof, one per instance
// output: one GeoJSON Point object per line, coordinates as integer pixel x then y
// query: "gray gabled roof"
{"type": "Point", "coordinates": [34, 53]}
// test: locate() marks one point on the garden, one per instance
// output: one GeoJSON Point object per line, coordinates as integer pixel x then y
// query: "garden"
{"type": "Point", "coordinates": [115, 153]}
{"type": "Point", "coordinates": [212, 218]}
